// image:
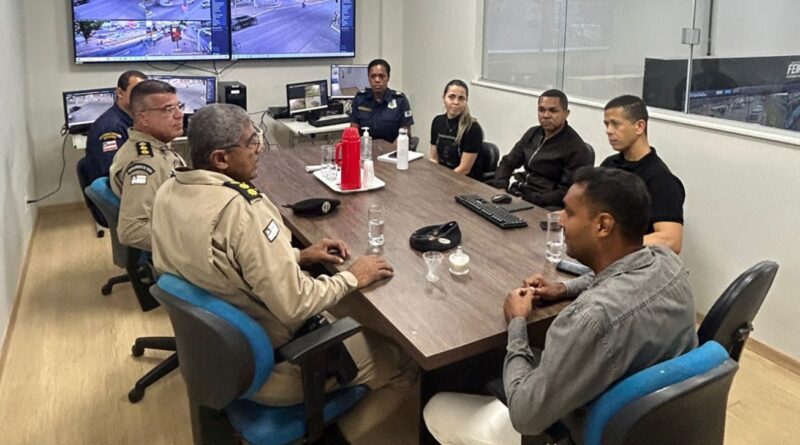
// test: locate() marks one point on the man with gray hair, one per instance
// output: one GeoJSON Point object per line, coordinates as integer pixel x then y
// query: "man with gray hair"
{"type": "Point", "coordinates": [146, 159]}
{"type": "Point", "coordinates": [216, 230]}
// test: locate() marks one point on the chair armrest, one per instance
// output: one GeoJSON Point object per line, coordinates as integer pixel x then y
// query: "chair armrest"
{"type": "Point", "coordinates": [301, 350]}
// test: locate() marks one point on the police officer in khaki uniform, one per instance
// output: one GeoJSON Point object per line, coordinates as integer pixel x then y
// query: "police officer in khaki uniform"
{"type": "Point", "coordinates": [146, 160]}
{"type": "Point", "coordinates": [213, 228]}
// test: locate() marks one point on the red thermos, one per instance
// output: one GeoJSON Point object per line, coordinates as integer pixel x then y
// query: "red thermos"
{"type": "Point", "coordinates": [348, 154]}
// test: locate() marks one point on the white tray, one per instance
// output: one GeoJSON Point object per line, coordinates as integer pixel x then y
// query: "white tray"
{"type": "Point", "coordinates": [335, 184]}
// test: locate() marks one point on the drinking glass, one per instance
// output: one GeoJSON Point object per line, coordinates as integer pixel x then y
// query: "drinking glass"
{"type": "Point", "coordinates": [433, 260]}
{"type": "Point", "coordinates": [554, 241]}
{"type": "Point", "coordinates": [375, 215]}
{"type": "Point", "coordinates": [328, 167]}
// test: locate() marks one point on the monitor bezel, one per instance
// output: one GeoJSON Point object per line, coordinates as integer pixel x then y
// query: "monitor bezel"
{"type": "Point", "coordinates": [309, 82]}
{"type": "Point", "coordinates": [159, 76]}
{"type": "Point", "coordinates": [83, 126]}
{"type": "Point", "coordinates": [330, 78]}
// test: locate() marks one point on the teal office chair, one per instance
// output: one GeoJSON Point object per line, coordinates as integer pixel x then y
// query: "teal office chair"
{"type": "Point", "coordinates": [226, 357]}
{"type": "Point", "coordinates": [730, 320]}
{"type": "Point", "coordinates": [679, 401]}
{"type": "Point", "coordinates": [140, 275]}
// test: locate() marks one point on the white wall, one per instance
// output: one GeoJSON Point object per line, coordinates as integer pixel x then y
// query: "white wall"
{"type": "Point", "coordinates": [740, 205]}
{"type": "Point", "coordinates": [378, 25]}
{"type": "Point", "coordinates": [768, 30]}
{"type": "Point", "coordinates": [16, 169]}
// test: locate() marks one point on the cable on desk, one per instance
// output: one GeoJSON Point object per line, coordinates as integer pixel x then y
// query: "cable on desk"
{"type": "Point", "coordinates": [65, 135]}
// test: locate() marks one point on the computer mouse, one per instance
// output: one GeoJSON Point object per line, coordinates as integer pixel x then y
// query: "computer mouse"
{"type": "Point", "coordinates": [501, 199]}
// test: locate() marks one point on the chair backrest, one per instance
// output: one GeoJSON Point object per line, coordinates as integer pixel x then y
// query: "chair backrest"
{"type": "Point", "coordinates": [100, 193]}
{"type": "Point", "coordinates": [682, 400]}
{"type": "Point", "coordinates": [729, 321]}
{"type": "Point", "coordinates": [492, 155]}
{"type": "Point", "coordinates": [591, 153]}
{"type": "Point", "coordinates": [83, 181]}
{"type": "Point", "coordinates": [224, 353]}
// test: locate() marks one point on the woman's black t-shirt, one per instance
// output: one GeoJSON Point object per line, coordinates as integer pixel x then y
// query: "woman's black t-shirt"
{"type": "Point", "coordinates": [443, 136]}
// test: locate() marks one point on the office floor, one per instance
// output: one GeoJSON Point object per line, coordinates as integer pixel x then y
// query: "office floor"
{"type": "Point", "coordinates": [67, 366]}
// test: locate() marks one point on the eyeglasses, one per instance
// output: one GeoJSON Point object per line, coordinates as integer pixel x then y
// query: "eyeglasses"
{"type": "Point", "coordinates": [253, 143]}
{"type": "Point", "coordinates": [169, 109]}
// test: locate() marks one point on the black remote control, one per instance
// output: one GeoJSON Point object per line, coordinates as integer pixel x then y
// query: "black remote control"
{"type": "Point", "coordinates": [572, 267]}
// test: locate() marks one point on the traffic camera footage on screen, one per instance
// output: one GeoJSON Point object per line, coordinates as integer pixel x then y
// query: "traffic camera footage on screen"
{"type": "Point", "coordinates": [131, 30]}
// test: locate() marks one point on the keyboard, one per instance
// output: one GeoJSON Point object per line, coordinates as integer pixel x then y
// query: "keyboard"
{"type": "Point", "coordinates": [333, 119]}
{"type": "Point", "coordinates": [494, 213]}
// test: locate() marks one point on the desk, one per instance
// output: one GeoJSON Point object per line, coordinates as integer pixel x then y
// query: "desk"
{"type": "Point", "coordinates": [299, 129]}
{"type": "Point", "coordinates": [436, 324]}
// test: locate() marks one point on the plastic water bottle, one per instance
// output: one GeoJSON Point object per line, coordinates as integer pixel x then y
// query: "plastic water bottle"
{"type": "Point", "coordinates": [366, 146]}
{"type": "Point", "coordinates": [402, 150]}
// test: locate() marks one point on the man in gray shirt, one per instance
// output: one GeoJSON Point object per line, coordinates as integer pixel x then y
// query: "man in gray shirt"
{"type": "Point", "coordinates": [635, 310]}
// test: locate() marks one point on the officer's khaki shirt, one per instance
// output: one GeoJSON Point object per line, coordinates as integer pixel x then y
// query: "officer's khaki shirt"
{"type": "Point", "coordinates": [232, 242]}
{"type": "Point", "coordinates": [139, 168]}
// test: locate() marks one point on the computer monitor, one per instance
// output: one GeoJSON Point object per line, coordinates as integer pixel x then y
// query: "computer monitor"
{"type": "Point", "coordinates": [195, 91]}
{"type": "Point", "coordinates": [82, 108]}
{"type": "Point", "coordinates": [348, 80]}
{"type": "Point", "coordinates": [307, 96]}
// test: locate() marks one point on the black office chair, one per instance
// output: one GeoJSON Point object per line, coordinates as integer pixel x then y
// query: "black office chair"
{"type": "Point", "coordinates": [679, 401]}
{"type": "Point", "coordinates": [226, 357]}
{"type": "Point", "coordinates": [141, 276]}
{"type": "Point", "coordinates": [83, 181]}
{"type": "Point", "coordinates": [730, 320]}
{"type": "Point", "coordinates": [492, 155]}
{"type": "Point", "coordinates": [591, 153]}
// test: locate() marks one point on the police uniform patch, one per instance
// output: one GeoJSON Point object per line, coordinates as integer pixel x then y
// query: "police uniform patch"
{"type": "Point", "coordinates": [393, 104]}
{"type": "Point", "coordinates": [109, 136]}
{"type": "Point", "coordinates": [138, 179]}
{"type": "Point", "coordinates": [144, 149]}
{"type": "Point", "coordinates": [272, 230]}
{"type": "Point", "coordinates": [408, 113]}
{"type": "Point", "coordinates": [110, 146]}
{"type": "Point", "coordinates": [247, 190]}
{"type": "Point", "coordinates": [365, 109]}
{"type": "Point", "coordinates": [140, 169]}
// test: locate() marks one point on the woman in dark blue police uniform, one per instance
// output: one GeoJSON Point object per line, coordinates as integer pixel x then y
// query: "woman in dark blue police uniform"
{"type": "Point", "coordinates": [456, 137]}
{"type": "Point", "coordinates": [383, 110]}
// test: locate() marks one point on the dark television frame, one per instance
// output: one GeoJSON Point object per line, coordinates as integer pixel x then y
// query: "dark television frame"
{"type": "Point", "coordinates": [83, 127]}
{"type": "Point", "coordinates": [307, 110]}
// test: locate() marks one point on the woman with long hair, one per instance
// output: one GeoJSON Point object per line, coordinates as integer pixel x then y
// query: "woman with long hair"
{"type": "Point", "coordinates": [456, 136]}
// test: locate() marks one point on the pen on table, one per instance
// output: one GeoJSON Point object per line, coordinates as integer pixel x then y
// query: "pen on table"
{"type": "Point", "coordinates": [313, 168]}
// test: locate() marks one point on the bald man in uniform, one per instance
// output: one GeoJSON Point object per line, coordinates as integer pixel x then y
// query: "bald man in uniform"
{"type": "Point", "coordinates": [216, 230]}
{"type": "Point", "coordinates": [146, 159]}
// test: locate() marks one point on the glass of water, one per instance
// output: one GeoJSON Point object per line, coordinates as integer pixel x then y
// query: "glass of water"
{"type": "Point", "coordinates": [375, 216]}
{"type": "Point", "coordinates": [554, 246]}
{"type": "Point", "coordinates": [328, 167]}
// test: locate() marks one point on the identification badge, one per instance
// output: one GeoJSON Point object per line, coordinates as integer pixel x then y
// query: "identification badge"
{"type": "Point", "coordinates": [110, 146]}
{"type": "Point", "coordinates": [138, 179]}
{"type": "Point", "coordinates": [365, 109]}
{"type": "Point", "coordinates": [392, 104]}
{"type": "Point", "coordinates": [272, 230]}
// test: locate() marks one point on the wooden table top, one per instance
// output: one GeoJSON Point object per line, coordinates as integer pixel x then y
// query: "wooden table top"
{"type": "Point", "coordinates": [437, 324]}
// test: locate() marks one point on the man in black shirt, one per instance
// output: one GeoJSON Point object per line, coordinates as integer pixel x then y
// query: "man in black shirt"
{"type": "Point", "coordinates": [625, 118]}
{"type": "Point", "coordinates": [550, 152]}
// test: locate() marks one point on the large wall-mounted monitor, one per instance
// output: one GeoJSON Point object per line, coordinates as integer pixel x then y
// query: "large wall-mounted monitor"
{"type": "Point", "coordinates": [195, 91]}
{"type": "Point", "coordinates": [307, 96]}
{"type": "Point", "coordinates": [348, 80]}
{"type": "Point", "coordinates": [82, 108]}
{"type": "Point", "coordinates": [150, 30]}
{"type": "Point", "coordinates": [279, 29]}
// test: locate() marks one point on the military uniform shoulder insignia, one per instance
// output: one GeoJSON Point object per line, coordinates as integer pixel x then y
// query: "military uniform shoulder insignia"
{"type": "Point", "coordinates": [248, 191]}
{"type": "Point", "coordinates": [110, 136]}
{"type": "Point", "coordinates": [144, 149]}
{"type": "Point", "coordinates": [398, 93]}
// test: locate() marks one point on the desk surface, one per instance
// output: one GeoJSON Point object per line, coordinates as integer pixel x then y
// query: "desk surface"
{"type": "Point", "coordinates": [437, 324]}
{"type": "Point", "coordinates": [306, 129]}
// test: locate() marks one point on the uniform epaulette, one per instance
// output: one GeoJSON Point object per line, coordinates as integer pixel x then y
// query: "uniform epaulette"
{"type": "Point", "coordinates": [398, 93]}
{"type": "Point", "coordinates": [248, 191]}
{"type": "Point", "coordinates": [144, 149]}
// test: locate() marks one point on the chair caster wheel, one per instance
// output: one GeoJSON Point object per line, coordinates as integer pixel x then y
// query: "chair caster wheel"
{"type": "Point", "coordinates": [106, 289]}
{"type": "Point", "coordinates": [136, 350]}
{"type": "Point", "coordinates": [136, 395]}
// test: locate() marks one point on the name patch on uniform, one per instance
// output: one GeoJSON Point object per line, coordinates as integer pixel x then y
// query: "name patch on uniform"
{"type": "Point", "coordinates": [110, 146]}
{"type": "Point", "coordinates": [365, 109]}
{"type": "Point", "coordinates": [110, 136]}
{"type": "Point", "coordinates": [408, 113]}
{"type": "Point", "coordinates": [392, 104]}
{"type": "Point", "coordinates": [272, 230]}
{"type": "Point", "coordinates": [144, 148]}
{"type": "Point", "coordinates": [138, 179]}
{"type": "Point", "coordinates": [138, 168]}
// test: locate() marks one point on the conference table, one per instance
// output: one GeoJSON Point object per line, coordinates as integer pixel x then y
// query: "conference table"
{"type": "Point", "coordinates": [440, 323]}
